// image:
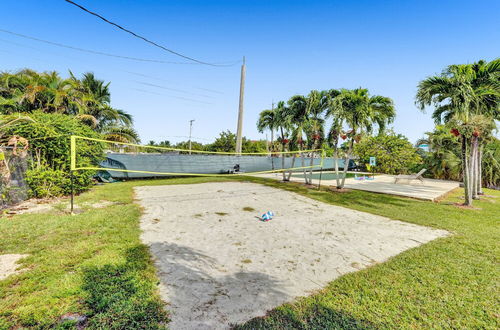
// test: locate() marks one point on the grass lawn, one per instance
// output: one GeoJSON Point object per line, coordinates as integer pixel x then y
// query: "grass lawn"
{"type": "Point", "coordinates": [94, 264]}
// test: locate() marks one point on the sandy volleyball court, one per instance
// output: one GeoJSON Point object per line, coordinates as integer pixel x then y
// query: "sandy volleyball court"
{"type": "Point", "coordinates": [220, 265]}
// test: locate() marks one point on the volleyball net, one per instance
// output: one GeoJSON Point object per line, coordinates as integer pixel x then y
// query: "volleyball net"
{"type": "Point", "coordinates": [129, 160]}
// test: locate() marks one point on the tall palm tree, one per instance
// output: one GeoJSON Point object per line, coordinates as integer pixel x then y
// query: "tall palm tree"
{"type": "Point", "coordinates": [283, 125]}
{"type": "Point", "coordinates": [305, 113]}
{"type": "Point", "coordinates": [267, 120]}
{"type": "Point", "coordinates": [359, 112]}
{"type": "Point", "coordinates": [459, 94]}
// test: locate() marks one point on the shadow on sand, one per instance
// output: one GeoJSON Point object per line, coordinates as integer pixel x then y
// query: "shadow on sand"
{"type": "Point", "coordinates": [202, 295]}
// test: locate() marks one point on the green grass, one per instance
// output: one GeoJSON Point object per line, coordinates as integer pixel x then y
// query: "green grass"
{"type": "Point", "coordinates": [94, 264]}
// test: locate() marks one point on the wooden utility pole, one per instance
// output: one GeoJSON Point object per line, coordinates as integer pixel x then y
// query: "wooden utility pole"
{"type": "Point", "coordinates": [239, 129]}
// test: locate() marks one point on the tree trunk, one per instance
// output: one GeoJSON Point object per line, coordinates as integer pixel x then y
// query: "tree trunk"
{"type": "Point", "coordinates": [283, 155]}
{"type": "Point", "coordinates": [272, 144]}
{"type": "Point", "coordinates": [480, 170]}
{"type": "Point", "coordinates": [346, 162]}
{"type": "Point", "coordinates": [466, 172]}
{"type": "Point", "coordinates": [311, 163]}
{"type": "Point", "coordinates": [293, 164]}
{"type": "Point", "coordinates": [475, 168]}
{"type": "Point", "coordinates": [336, 155]}
{"type": "Point", "coordinates": [303, 164]}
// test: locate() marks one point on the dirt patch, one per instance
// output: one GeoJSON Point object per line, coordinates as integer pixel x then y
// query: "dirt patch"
{"type": "Point", "coordinates": [8, 264]}
{"type": "Point", "coordinates": [340, 191]}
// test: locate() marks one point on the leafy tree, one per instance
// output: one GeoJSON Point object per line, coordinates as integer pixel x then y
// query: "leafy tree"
{"type": "Point", "coordinates": [394, 153]}
{"type": "Point", "coordinates": [48, 136]}
{"type": "Point", "coordinates": [443, 159]}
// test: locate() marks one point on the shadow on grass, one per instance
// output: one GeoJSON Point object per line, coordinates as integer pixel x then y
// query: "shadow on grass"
{"type": "Point", "coordinates": [315, 317]}
{"type": "Point", "coordinates": [122, 296]}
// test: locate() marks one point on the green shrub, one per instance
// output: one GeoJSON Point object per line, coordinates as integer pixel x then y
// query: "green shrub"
{"type": "Point", "coordinates": [394, 153]}
{"type": "Point", "coordinates": [45, 182]}
{"type": "Point", "coordinates": [49, 138]}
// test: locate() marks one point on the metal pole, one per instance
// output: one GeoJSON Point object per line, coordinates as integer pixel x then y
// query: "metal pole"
{"type": "Point", "coordinates": [190, 131]}
{"type": "Point", "coordinates": [72, 179]}
{"type": "Point", "coordinates": [240, 110]}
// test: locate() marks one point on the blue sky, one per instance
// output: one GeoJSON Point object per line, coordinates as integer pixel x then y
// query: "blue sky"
{"type": "Point", "coordinates": [291, 47]}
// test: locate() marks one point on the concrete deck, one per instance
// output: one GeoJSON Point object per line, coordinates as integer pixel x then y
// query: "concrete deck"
{"type": "Point", "coordinates": [430, 189]}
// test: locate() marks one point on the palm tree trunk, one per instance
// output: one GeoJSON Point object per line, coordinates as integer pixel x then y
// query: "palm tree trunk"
{"type": "Point", "coordinates": [480, 170]}
{"type": "Point", "coordinates": [293, 164]}
{"type": "Point", "coordinates": [346, 162]}
{"type": "Point", "coordinates": [283, 155]}
{"type": "Point", "coordinates": [271, 149]}
{"type": "Point", "coordinates": [466, 172]}
{"type": "Point", "coordinates": [311, 163]}
{"type": "Point", "coordinates": [475, 168]}
{"type": "Point", "coordinates": [336, 155]}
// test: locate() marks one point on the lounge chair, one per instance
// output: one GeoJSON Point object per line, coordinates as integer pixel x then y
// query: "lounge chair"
{"type": "Point", "coordinates": [411, 177]}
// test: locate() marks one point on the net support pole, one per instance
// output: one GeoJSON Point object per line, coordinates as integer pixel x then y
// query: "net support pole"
{"type": "Point", "coordinates": [72, 203]}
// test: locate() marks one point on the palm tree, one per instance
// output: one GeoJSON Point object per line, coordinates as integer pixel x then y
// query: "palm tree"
{"type": "Point", "coordinates": [459, 94]}
{"type": "Point", "coordinates": [283, 125]}
{"type": "Point", "coordinates": [88, 98]}
{"type": "Point", "coordinates": [267, 120]}
{"type": "Point", "coordinates": [360, 111]}
{"type": "Point", "coordinates": [305, 115]}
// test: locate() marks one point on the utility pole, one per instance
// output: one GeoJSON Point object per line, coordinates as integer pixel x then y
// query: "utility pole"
{"type": "Point", "coordinates": [240, 110]}
{"type": "Point", "coordinates": [190, 131]}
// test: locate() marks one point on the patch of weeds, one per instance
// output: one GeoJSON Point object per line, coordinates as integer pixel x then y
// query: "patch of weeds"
{"type": "Point", "coordinates": [248, 209]}
{"type": "Point", "coordinates": [246, 261]}
{"type": "Point", "coordinates": [198, 215]}
{"type": "Point", "coordinates": [221, 213]}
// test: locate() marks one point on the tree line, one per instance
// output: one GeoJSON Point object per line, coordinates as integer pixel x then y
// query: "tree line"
{"type": "Point", "coordinates": [465, 98]}
{"type": "Point", "coordinates": [300, 122]}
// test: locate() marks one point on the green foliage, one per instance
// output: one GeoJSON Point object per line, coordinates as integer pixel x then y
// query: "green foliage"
{"type": "Point", "coordinates": [49, 135]}
{"type": "Point", "coordinates": [226, 142]}
{"type": "Point", "coordinates": [443, 160]}
{"type": "Point", "coordinates": [45, 182]}
{"type": "Point", "coordinates": [491, 164]}
{"type": "Point", "coordinates": [394, 153]}
{"type": "Point", "coordinates": [49, 138]}
{"type": "Point", "coordinates": [85, 98]}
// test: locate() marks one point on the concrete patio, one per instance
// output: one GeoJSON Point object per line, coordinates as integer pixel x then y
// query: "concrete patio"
{"type": "Point", "coordinates": [430, 189]}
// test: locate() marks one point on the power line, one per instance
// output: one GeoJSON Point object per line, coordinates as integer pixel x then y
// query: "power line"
{"type": "Point", "coordinates": [143, 38]}
{"type": "Point", "coordinates": [177, 97]}
{"type": "Point", "coordinates": [156, 78]}
{"type": "Point", "coordinates": [92, 51]}
{"type": "Point", "coordinates": [172, 89]}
